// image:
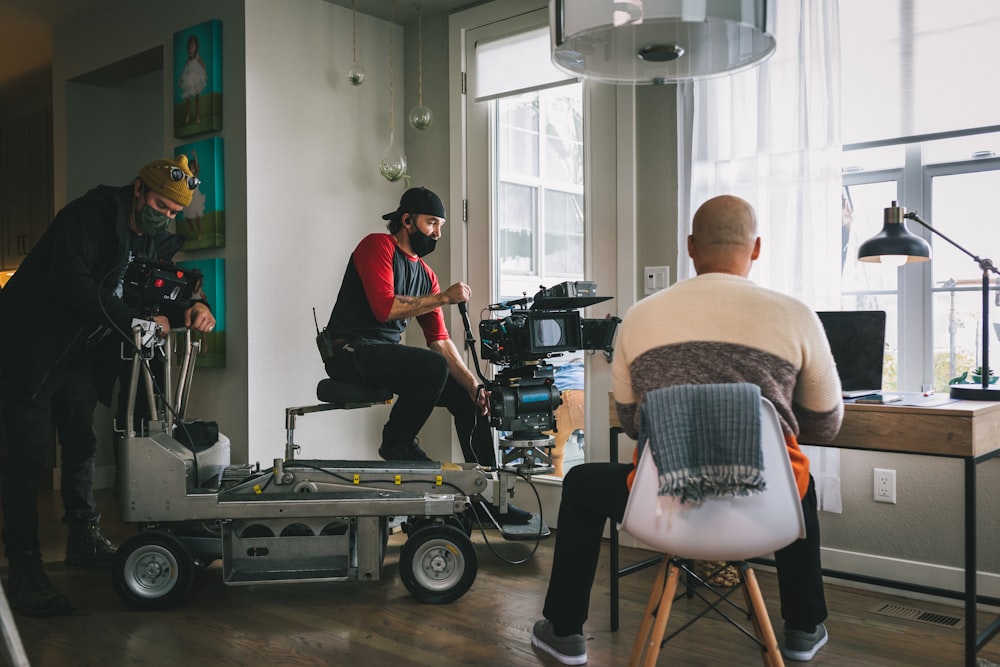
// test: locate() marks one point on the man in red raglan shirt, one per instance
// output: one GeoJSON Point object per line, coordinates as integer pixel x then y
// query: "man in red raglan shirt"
{"type": "Point", "coordinates": [386, 284]}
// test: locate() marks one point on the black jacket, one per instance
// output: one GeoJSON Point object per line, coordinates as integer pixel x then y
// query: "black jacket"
{"type": "Point", "coordinates": [59, 307]}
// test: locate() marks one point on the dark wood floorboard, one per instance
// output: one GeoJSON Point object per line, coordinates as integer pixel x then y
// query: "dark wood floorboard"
{"type": "Point", "coordinates": [378, 624]}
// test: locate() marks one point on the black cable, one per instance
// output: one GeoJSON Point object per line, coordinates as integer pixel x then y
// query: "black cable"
{"type": "Point", "coordinates": [460, 491]}
{"type": "Point", "coordinates": [157, 390]}
{"type": "Point", "coordinates": [538, 537]}
{"type": "Point", "coordinates": [470, 341]}
{"type": "Point", "coordinates": [303, 464]}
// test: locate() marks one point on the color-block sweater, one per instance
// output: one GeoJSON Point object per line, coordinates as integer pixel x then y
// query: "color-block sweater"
{"type": "Point", "coordinates": [718, 327]}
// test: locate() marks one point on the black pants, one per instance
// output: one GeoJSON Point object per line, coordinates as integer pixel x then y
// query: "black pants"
{"type": "Point", "coordinates": [69, 409]}
{"type": "Point", "coordinates": [420, 379]}
{"type": "Point", "coordinates": [594, 492]}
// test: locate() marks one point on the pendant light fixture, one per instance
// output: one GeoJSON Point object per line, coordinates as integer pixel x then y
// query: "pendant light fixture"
{"type": "Point", "coordinates": [421, 117]}
{"type": "Point", "coordinates": [393, 163]}
{"type": "Point", "coordinates": [659, 41]}
{"type": "Point", "coordinates": [356, 75]}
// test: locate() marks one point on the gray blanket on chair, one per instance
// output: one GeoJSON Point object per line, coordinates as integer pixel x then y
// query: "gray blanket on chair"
{"type": "Point", "coordinates": [705, 439]}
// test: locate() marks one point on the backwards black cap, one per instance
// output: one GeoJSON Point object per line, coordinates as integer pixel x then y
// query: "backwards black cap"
{"type": "Point", "coordinates": [418, 201]}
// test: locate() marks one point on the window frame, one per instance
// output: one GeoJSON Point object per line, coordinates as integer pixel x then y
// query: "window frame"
{"type": "Point", "coordinates": [915, 288]}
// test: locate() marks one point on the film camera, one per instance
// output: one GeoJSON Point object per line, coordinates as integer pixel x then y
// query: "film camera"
{"type": "Point", "coordinates": [523, 395]}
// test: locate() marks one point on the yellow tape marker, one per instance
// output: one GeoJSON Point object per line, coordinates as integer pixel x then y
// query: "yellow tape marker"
{"type": "Point", "coordinates": [357, 478]}
{"type": "Point", "coordinates": [437, 480]}
{"type": "Point", "coordinates": [257, 489]}
{"type": "Point", "coordinates": [399, 479]}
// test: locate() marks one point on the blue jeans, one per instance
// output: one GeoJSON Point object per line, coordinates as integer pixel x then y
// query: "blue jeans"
{"type": "Point", "coordinates": [594, 492]}
{"type": "Point", "coordinates": [420, 379]}
{"type": "Point", "coordinates": [69, 409]}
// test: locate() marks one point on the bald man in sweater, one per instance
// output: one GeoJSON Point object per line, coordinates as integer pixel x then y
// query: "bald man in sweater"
{"type": "Point", "coordinates": [714, 328]}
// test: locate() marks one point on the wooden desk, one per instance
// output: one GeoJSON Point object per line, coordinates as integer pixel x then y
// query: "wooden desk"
{"type": "Point", "coordinates": [966, 430]}
{"type": "Point", "coordinates": [960, 429]}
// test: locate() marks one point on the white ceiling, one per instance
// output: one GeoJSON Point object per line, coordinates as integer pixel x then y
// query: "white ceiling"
{"type": "Point", "coordinates": [26, 31]}
{"type": "Point", "coordinates": [405, 12]}
{"type": "Point", "coordinates": [26, 25]}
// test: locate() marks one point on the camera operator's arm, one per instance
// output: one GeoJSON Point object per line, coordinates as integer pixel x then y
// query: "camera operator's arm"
{"type": "Point", "coordinates": [373, 260]}
{"type": "Point", "coordinates": [199, 317]}
{"type": "Point", "coordinates": [461, 372]}
{"type": "Point", "coordinates": [77, 265]}
{"type": "Point", "coordinates": [405, 307]}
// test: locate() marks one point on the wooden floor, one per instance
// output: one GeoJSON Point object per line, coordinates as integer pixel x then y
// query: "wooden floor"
{"type": "Point", "coordinates": [378, 624]}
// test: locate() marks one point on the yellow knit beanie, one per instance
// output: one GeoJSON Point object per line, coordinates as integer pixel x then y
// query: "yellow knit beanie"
{"type": "Point", "coordinates": [157, 176]}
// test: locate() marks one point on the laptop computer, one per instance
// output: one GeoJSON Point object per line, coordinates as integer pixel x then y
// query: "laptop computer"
{"type": "Point", "coordinates": [857, 340]}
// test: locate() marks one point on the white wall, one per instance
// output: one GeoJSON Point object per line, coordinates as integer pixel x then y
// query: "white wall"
{"type": "Point", "coordinates": [313, 190]}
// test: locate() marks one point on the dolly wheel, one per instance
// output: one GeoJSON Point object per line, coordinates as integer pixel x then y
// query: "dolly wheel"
{"type": "Point", "coordinates": [153, 570]}
{"type": "Point", "coordinates": [437, 563]}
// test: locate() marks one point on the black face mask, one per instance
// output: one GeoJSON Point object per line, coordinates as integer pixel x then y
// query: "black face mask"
{"type": "Point", "coordinates": [421, 243]}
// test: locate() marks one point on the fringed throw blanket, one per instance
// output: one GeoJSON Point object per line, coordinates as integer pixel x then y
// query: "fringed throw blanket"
{"type": "Point", "coordinates": [705, 439]}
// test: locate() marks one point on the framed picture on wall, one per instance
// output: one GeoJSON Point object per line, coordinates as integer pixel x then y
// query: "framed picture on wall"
{"type": "Point", "coordinates": [212, 290]}
{"type": "Point", "coordinates": [198, 79]}
{"type": "Point", "coordinates": [203, 222]}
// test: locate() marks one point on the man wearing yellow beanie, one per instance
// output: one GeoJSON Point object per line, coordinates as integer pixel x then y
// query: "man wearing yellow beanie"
{"type": "Point", "coordinates": [65, 320]}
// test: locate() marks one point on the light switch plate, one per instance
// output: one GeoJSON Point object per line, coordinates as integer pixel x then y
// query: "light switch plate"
{"type": "Point", "coordinates": [655, 278]}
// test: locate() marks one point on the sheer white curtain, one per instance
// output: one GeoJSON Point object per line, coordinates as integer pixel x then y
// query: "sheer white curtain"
{"type": "Point", "coordinates": [772, 136]}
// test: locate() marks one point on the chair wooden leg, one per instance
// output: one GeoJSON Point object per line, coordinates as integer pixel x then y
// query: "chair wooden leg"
{"type": "Point", "coordinates": [654, 620]}
{"type": "Point", "coordinates": [770, 653]}
{"type": "Point", "coordinates": [647, 618]}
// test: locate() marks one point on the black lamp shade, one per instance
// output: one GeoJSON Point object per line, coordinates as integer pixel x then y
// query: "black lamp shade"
{"type": "Point", "coordinates": [894, 239]}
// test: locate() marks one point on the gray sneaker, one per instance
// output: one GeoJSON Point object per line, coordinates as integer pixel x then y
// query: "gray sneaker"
{"type": "Point", "coordinates": [571, 650]}
{"type": "Point", "coordinates": [802, 646]}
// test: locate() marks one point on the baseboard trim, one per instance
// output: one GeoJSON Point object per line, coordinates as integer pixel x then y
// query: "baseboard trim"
{"type": "Point", "coordinates": [895, 569]}
{"type": "Point", "coordinates": [907, 571]}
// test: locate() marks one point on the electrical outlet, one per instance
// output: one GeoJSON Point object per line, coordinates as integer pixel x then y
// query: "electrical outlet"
{"type": "Point", "coordinates": [885, 485]}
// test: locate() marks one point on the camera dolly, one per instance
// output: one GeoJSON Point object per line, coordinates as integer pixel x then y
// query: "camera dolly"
{"type": "Point", "coordinates": [299, 520]}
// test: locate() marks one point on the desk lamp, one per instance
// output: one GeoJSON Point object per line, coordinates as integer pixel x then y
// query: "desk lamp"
{"type": "Point", "coordinates": [895, 246]}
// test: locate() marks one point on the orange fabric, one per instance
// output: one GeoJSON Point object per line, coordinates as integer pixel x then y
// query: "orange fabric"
{"type": "Point", "coordinates": [635, 463]}
{"type": "Point", "coordinates": [800, 465]}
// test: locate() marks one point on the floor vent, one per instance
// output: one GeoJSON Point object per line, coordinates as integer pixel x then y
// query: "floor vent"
{"type": "Point", "coordinates": [921, 615]}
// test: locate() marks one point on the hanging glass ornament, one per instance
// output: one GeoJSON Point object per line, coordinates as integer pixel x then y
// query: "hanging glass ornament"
{"type": "Point", "coordinates": [356, 75]}
{"type": "Point", "coordinates": [421, 117]}
{"type": "Point", "coordinates": [392, 166]}
{"type": "Point", "coordinates": [393, 163]}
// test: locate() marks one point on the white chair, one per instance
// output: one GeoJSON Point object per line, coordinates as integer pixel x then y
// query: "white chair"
{"type": "Point", "coordinates": [719, 529]}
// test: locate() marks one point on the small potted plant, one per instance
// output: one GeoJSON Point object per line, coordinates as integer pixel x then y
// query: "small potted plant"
{"type": "Point", "coordinates": [977, 375]}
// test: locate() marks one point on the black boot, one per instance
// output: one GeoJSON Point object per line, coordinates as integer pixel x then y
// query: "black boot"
{"type": "Point", "coordinates": [29, 589]}
{"type": "Point", "coordinates": [87, 545]}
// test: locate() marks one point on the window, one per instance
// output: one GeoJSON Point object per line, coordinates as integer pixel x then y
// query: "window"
{"type": "Point", "coordinates": [539, 190]}
{"type": "Point", "coordinates": [524, 170]}
{"type": "Point", "coordinates": [925, 144]}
